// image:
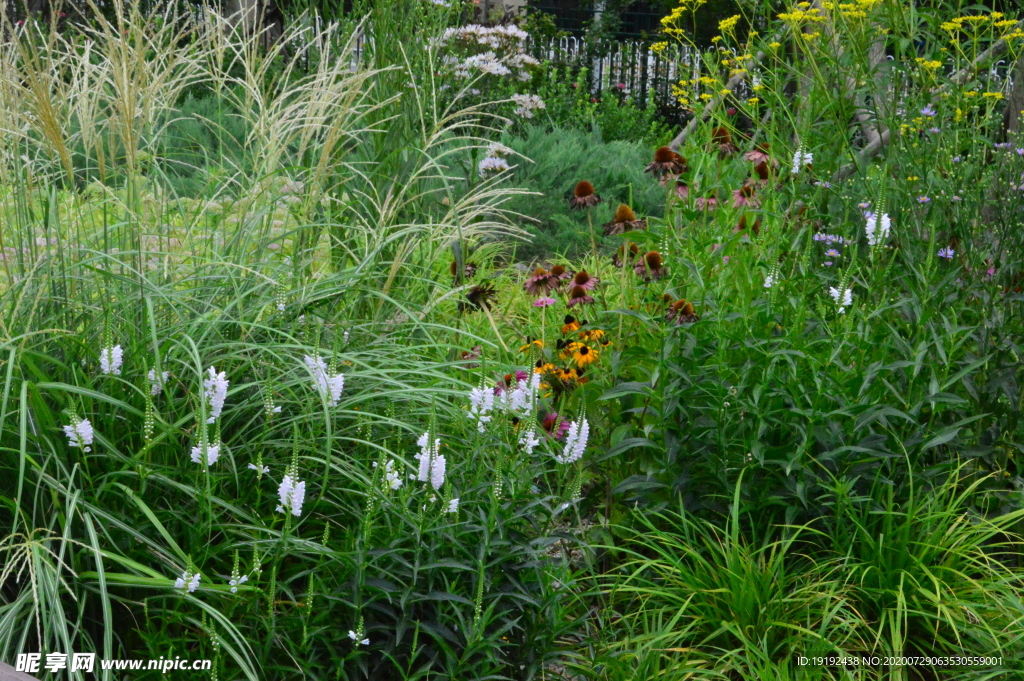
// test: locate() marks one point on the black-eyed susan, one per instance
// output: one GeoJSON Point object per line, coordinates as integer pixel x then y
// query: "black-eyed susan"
{"type": "Point", "coordinates": [666, 162]}
{"type": "Point", "coordinates": [477, 298]}
{"type": "Point", "coordinates": [583, 196]}
{"type": "Point", "coordinates": [566, 376]}
{"type": "Point", "coordinates": [584, 355]}
{"type": "Point", "coordinates": [681, 312]}
{"type": "Point", "coordinates": [538, 283]}
{"type": "Point", "coordinates": [591, 335]}
{"type": "Point", "coordinates": [624, 221]}
{"type": "Point", "coordinates": [542, 367]}
{"type": "Point", "coordinates": [578, 296]}
{"type": "Point", "coordinates": [532, 343]}
{"type": "Point", "coordinates": [567, 348]}
{"type": "Point", "coordinates": [570, 324]}
{"type": "Point", "coordinates": [651, 266]}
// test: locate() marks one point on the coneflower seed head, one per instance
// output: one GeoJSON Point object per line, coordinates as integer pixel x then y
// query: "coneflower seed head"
{"type": "Point", "coordinates": [624, 214]}
{"type": "Point", "coordinates": [583, 190]}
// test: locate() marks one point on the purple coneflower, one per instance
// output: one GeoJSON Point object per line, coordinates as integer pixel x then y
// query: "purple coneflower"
{"type": "Point", "coordinates": [624, 221]}
{"type": "Point", "coordinates": [578, 296]}
{"type": "Point", "coordinates": [744, 197]}
{"type": "Point", "coordinates": [555, 426]}
{"type": "Point", "coordinates": [544, 301]}
{"type": "Point", "coordinates": [538, 283]}
{"type": "Point", "coordinates": [585, 281]}
{"type": "Point", "coordinates": [583, 196]}
{"type": "Point", "coordinates": [707, 203]}
{"type": "Point", "coordinates": [666, 162]}
{"type": "Point", "coordinates": [650, 266]}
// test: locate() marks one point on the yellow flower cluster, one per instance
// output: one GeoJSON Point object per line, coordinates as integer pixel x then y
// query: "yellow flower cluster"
{"type": "Point", "coordinates": [852, 10]}
{"type": "Point", "coordinates": [799, 15]}
{"type": "Point", "coordinates": [992, 95]}
{"type": "Point", "coordinates": [728, 25]}
{"type": "Point", "coordinates": [975, 20]}
{"type": "Point", "coordinates": [931, 65]}
{"type": "Point", "coordinates": [659, 47]}
{"type": "Point", "coordinates": [753, 101]}
{"type": "Point", "coordinates": [670, 23]}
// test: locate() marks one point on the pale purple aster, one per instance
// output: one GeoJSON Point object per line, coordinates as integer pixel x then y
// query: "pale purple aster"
{"type": "Point", "coordinates": [544, 301]}
{"type": "Point", "coordinates": [934, 131]}
{"type": "Point", "coordinates": [832, 253]}
{"type": "Point", "coordinates": [923, 199]}
{"type": "Point", "coordinates": [947, 253]}
{"type": "Point", "coordinates": [928, 111]}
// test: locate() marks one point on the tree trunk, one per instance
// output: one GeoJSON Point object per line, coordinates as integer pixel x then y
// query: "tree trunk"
{"type": "Point", "coordinates": [256, 17]}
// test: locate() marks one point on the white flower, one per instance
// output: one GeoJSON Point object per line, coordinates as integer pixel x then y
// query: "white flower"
{"type": "Point", "coordinates": [329, 387]}
{"type": "Point", "coordinates": [497, 150]}
{"type": "Point", "coordinates": [235, 583]}
{"type": "Point", "coordinates": [453, 506]}
{"type": "Point", "coordinates": [521, 400]}
{"type": "Point", "coordinates": [877, 230]}
{"type": "Point", "coordinates": [529, 441]}
{"type": "Point", "coordinates": [212, 454]}
{"type": "Point", "coordinates": [437, 471]}
{"type": "Point", "coordinates": [280, 307]}
{"type": "Point", "coordinates": [490, 165]}
{"type": "Point", "coordinates": [481, 402]}
{"type": "Point", "coordinates": [188, 580]}
{"type": "Point", "coordinates": [394, 480]}
{"type": "Point", "coordinates": [527, 104]}
{"type": "Point", "coordinates": [111, 360]}
{"type": "Point", "coordinates": [254, 467]}
{"type": "Point", "coordinates": [80, 434]}
{"type": "Point", "coordinates": [291, 493]}
{"type": "Point", "coordinates": [216, 392]}
{"type": "Point", "coordinates": [575, 441]}
{"type": "Point", "coordinates": [768, 281]}
{"type": "Point", "coordinates": [157, 381]}
{"type": "Point", "coordinates": [845, 295]}
{"type": "Point", "coordinates": [801, 158]}
{"type": "Point", "coordinates": [428, 452]}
